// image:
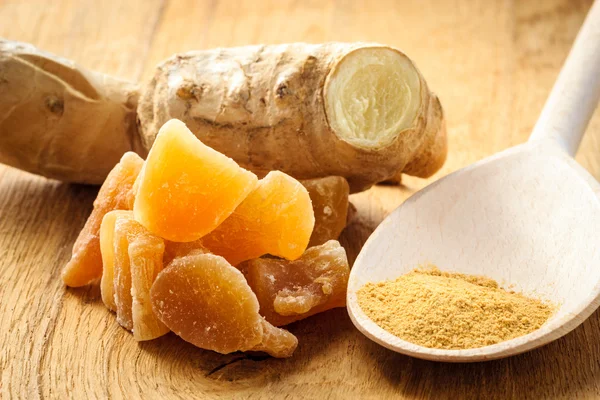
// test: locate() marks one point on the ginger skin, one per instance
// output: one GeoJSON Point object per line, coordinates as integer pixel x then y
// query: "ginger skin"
{"type": "Point", "coordinates": [274, 108]}
{"type": "Point", "coordinates": [60, 120]}
{"type": "Point", "coordinates": [268, 107]}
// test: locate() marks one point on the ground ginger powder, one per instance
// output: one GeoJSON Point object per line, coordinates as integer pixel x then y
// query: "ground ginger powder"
{"type": "Point", "coordinates": [450, 311]}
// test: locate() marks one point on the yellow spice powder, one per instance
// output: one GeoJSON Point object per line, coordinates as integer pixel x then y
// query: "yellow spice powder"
{"type": "Point", "coordinates": [450, 311]}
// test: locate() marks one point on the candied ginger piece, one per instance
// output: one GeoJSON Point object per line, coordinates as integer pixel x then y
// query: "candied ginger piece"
{"type": "Point", "coordinates": [276, 218]}
{"type": "Point", "coordinates": [292, 290]}
{"type": "Point", "coordinates": [208, 303]}
{"type": "Point", "coordinates": [131, 193]}
{"type": "Point", "coordinates": [329, 197]}
{"type": "Point", "coordinates": [146, 258]}
{"type": "Point", "coordinates": [180, 249]}
{"type": "Point", "coordinates": [138, 256]}
{"type": "Point", "coordinates": [122, 273]}
{"type": "Point", "coordinates": [107, 234]}
{"type": "Point", "coordinates": [276, 341]}
{"type": "Point", "coordinates": [186, 188]}
{"type": "Point", "coordinates": [85, 264]}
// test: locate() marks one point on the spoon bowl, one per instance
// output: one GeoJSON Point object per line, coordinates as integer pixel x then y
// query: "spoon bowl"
{"type": "Point", "coordinates": [528, 217]}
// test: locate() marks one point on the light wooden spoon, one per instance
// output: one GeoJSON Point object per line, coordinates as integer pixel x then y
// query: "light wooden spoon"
{"type": "Point", "coordinates": [529, 216]}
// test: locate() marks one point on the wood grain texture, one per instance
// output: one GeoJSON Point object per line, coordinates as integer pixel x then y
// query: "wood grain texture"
{"type": "Point", "coordinates": [492, 64]}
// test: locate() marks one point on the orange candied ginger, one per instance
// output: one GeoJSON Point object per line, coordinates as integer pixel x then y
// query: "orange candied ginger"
{"type": "Point", "coordinates": [329, 196]}
{"type": "Point", "coordinates": [145, 255]}
{"type": "Point", "coordinates": [137, 257]}
{"type": "Point", "coordinates": [180, 249]}
{"type": "Point", "coordinates": [186, 189]}
{"type": "Point", "coordinates": [291, 290]}
{"type": "Point", "coordinates": [208, 303]}
{"type": "Point", "coordinates": [276, 218]}
{"type": "Point", "coordinates": [107, 240]}
{"type": "Point", "coordinates": [85, 264]}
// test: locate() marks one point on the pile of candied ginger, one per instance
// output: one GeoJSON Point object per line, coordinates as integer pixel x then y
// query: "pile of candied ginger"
{"type": "Point", "coordinates": [188, 241]}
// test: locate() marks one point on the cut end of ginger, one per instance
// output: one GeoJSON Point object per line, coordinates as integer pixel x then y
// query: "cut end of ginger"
{"type": "Point", "coordinates": [276, 218]}
{"type": "Point", "coordinates": [372, 95]}
{"type": "Point", "coordinates": [187, 189]}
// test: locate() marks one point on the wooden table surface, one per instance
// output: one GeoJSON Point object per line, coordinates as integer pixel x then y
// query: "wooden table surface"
{"type": "Point", "coordinates": [491, 62]}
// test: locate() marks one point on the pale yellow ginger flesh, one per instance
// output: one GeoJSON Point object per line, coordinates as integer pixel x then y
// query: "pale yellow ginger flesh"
{"type": "Point", "coordinates": [377, 94]}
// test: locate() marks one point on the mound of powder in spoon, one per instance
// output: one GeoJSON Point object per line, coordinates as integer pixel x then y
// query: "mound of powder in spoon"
{"type": "Point", "coordinates": [451, 311]}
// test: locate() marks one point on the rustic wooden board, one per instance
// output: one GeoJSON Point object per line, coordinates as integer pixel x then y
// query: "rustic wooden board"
{"type": "Point", "coordinates": [492, 64]}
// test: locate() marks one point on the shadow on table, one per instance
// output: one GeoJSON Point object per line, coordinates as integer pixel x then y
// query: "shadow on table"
{"type": "Point", "coordinates": [568, 367]}
{"type": "Point", "coordinates": [314, 334]}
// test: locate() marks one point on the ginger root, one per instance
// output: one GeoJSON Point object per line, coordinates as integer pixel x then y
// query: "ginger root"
{"type": "Point", "coordinates": [357, 110]}
{"type": "Point", "coordinates": [60, 120]}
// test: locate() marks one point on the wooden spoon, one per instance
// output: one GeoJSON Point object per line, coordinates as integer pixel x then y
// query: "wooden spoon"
{"type": "Point", "coordinates": [527, 217]}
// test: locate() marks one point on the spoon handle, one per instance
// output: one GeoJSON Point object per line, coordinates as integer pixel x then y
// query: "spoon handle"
{"type": "Point", "coordinates": [577, 90]}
